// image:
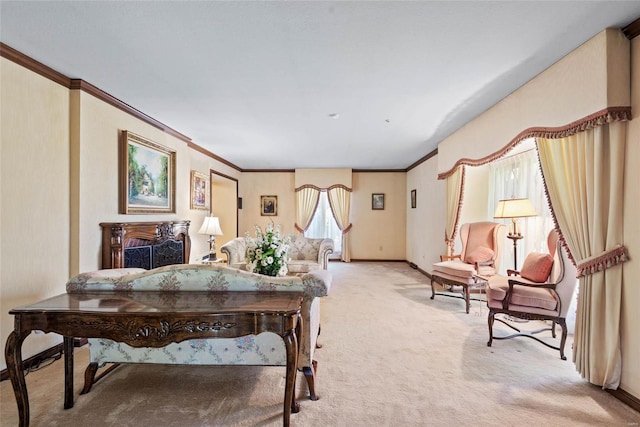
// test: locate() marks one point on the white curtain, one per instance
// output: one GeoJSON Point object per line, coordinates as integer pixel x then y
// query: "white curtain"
{"type": "Point", "coordinates": [324, 225]}
{"type": "Point", "coordinates": [519, 176]}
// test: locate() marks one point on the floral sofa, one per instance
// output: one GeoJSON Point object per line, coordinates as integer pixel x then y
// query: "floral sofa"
{"type": "Point", "coordinates": [263, 349]}
{"type": "Point", "coordinates": [306, 254]}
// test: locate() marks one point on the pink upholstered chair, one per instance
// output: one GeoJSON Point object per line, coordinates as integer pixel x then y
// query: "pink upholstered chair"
{"type": "Point", "coordinates": [542, 290]}
{"type": "Point", "coordinates": [478, 260]}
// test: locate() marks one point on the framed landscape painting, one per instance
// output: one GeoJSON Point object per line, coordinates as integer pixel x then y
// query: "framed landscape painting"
{"type": "Point", "coordinates": [147, 176]}
{"type": "Point", "coordinates": [200, 193]}
{"type": "Point", "coordinates": [413, 199]}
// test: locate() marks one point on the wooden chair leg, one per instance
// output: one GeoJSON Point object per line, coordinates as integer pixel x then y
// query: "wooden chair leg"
{"type": "Point", "coordinates": [309, 374]}
{"type": "Point", "coordinates": [490, 320]}
{"type": "Point", "coordinates": [563, 340]}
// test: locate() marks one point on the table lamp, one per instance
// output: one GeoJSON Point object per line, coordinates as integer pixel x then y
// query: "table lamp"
{"type": "Point", "coordinates": [514, 208]}
{"type": "Point", "coordinates": [211, 226]}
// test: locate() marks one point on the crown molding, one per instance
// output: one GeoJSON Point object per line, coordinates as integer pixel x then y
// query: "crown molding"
{"type": "Point", "coordinates": [632, 30]}
{"type": "Point", "coordinates": [31, 64]}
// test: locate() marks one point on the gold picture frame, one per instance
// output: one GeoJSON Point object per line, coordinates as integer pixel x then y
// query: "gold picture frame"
{"type": "Point", "coordinates": [200, 194]}
{"type": "Point", "coordinates": [147, 176]}
{"type": "Point", "coordinates": [413, 199]}
{"type": "Point", "coordinates": [269, 205]}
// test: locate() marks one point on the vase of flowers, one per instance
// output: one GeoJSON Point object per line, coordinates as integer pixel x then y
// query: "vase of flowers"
{"type": "Point", "coordinates": [268, 252]}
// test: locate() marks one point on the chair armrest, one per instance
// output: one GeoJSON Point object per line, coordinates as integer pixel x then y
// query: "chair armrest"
{"type": "Point", "coordinates": [512, 283]}
{"type": "Point", "coordinates": [485, 263]}
{"type": "Point", "coordinates": [450, 257]}
{"type": "Point", "coordinates": [235, 250]}
{"type": "Point", "coordinates": [326, 248]}
{"type": "Point", "coordinates": [511, 272]}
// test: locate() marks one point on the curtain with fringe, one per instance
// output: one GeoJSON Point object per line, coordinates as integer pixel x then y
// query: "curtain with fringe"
{"type": "Point", "coordinates": [583, 174]}
{"type": "Point", "coordinates": [455, 191]}
{"type": "Point", "coordinates": [340, 201]}
{"type": "Point", "coordinates": [306, 203]}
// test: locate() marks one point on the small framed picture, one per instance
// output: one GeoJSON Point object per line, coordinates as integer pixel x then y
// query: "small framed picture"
{"type": "Point", "coordinates": [377, 201]}
{"type": "Point", "coordinates": [199, 191]}
{"type": "Point", "coordinates": [269, 205]}
{"type": "Point", "coordinates": [413, 199]}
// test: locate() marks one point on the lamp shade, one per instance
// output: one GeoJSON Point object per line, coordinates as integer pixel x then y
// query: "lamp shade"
{"type": "Point", "coordinates": [211, 226]}
{"type": "Point", "coordinates": [514, 208]}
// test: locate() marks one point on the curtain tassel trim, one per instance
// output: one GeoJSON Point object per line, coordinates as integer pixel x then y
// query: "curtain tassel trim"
{"type": "Point", "coordinates": [601, 262]}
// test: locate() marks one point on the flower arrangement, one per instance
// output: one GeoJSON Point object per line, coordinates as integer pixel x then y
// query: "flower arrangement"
{"type": "Point", "coordinates": [267, 253]}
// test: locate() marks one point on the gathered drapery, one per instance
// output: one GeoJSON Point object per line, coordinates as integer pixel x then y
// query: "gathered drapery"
{"type": "Point", "coordinates": [306, 203]}
{"type": "Point", "coordinates": [583, 173]}
{"type": "Point", "coordinates": [455, 191]}
{"type": "Point", "coordinates": [340, 202]}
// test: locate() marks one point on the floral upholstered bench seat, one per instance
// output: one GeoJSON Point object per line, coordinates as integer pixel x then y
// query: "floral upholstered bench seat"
{"type": "Point", "coordinates": [263, 349]}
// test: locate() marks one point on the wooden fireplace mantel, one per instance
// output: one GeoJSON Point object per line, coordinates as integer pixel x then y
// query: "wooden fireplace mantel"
{"type": "Point", "coordinates": [118, 236]}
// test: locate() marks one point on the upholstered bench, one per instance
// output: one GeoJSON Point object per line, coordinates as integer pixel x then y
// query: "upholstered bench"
{"type": "Point", "coordinates": [263, 349]}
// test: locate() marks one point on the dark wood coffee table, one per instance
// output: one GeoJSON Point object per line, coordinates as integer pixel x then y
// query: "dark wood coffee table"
{"type": "Point", "coordinates": [154, 319]}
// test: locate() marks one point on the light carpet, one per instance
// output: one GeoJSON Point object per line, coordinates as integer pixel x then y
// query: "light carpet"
{"type": "Point", "coordinates": [390, 356]}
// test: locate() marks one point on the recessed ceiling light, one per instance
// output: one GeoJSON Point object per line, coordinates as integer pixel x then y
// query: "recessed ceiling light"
{"type": "Point", "coordinates": [334, 115]}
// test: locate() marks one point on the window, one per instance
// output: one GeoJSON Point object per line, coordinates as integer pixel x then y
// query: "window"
{"type": "Point", "coordinates": [324, 225]}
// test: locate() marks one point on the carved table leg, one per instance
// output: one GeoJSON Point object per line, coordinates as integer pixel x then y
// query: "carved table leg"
{"type": "Point", "coordinates": [433, 291]}
{"type": "Point", "coordinates": [68, 372]}
{"type": "Point", "coordinates": [13, 357]}
{"type": "Point", "coordinates": [290, 404]}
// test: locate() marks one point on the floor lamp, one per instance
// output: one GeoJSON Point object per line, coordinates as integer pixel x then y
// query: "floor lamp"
{"type": "Point", "coordinates": [211, 226]}
{"type": "Point", "coordinates": [514, 209]}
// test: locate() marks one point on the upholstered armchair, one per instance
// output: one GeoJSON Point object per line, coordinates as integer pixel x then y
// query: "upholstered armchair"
{"type": "Point", "coordinates": [479, 259]}
{"type": "Point", "coordinates": [541, 290]}
{"type": "Point", "coordinates": [306, 254]}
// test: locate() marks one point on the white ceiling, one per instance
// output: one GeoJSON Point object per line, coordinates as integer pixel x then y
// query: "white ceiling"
{"type": "Point", "coordinates": [255, 82]}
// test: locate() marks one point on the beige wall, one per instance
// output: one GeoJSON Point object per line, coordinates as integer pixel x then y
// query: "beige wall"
{"type": "Point", "coordinates": [631, 269]}
{"type": "Point", "coordinates": [255, 184]}
{"type": "Point", "coordinates": [34, 182]}
{"type": "Point", "coordinates": [100, 126]}
{"type": "Point", "coordinates": [572, 88]}
{"type": "Point", "coordinates": [368, 239]}
{"type": "Point", "coordinates": [224, 205]}
{"type": "Point", "coordinates": [60, 180]}
{"type": "Point", "coordinates": [425, 223]}
{"type": "Point", "coordinates": [323, 178]}
{"type": "Point", "coordinates": [379, 234]}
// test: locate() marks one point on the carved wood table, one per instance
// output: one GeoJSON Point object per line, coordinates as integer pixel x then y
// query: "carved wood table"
{"type": "Point", "coordinates": [154, 319]}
